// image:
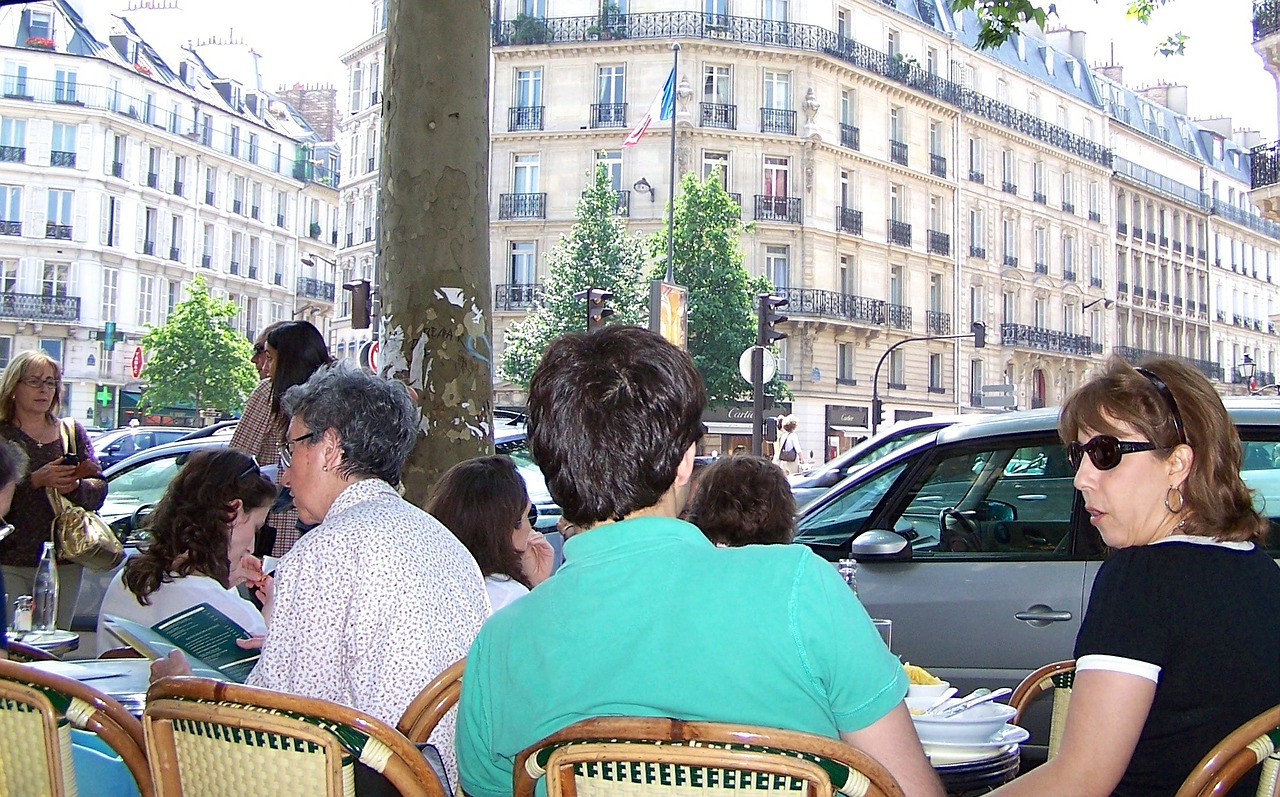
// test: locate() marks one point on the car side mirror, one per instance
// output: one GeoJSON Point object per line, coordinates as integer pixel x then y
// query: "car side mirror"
{"type": "Point", "coordinates": [880, 545]}
{"type": "Point", "coordinates": [114, 448]}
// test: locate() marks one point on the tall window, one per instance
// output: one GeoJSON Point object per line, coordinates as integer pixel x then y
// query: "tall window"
{"type": "Point", "coordinates": [8, 276]}
{"type": "Point", "coordinates": [849, 107]}
{"type": "Point", "coordinates": [976, 309]}
{"type": "Point", "coordinates": [375, 83]}
{"type": "Point", "coordinates": [612, 85]}
{"type": "Point", "coordinates": [13, 133]}
{"type": "Point", "coordinates": [1068, 192]}
{"type": "Point", "coordinates": [371, 149]}
{"type": "Point", "coordinates": [977, 234]}
{"type": "Point", "coordinates": [976, 378]}
{"type": "Point", "coordinates": [1042, 246]}
{"type": "Point", "coordinates": [60, 205]}
{"type": "Point", "coordinates": [525, 174]}
{"type": "Point", "coordinates": [1008, 171]}
{"type": "Point", "coordinates": [775, 177]}
{"type": "Point", "coordinates": [897, 369]}
{"type": "Point", "coordinates": [110, 292]}
{"type": "Point", "coordinates": [64, 85]}
{"type": "Point", "coordinates": [40, 24]}
{"type": "Point", "coordinates": [528, 88]}
{"type": "Point", "coordinates": [1038, 180]}
{"type": "Point", "coordinates": [717, 85]}
{"type": "Point", "coordinates": [844, 362]}
{"type": "Point", "coordinates": [523, 263]}
{"type": "Point", "coordinates": [54, 278]}
{"type": "Point", "coordinates": [776, 10]}
{"type": "Point", "coordinates": [611, 160]}
{"type": "Point", "coordinates": [1009, 308]}
{"type": "Point", "coordinates": [175, 237]}
{"type": "Point", "coordinates": [357, 84]}
{"type": "Point", "coordinates": [146, 300]}
{"type": "Point", "coordinates": [112, 215]}
{"type": "Point", "coordinates": [935, 373]}
{"type": "Point", "coordinates": [15, 79]}
{"type": "Point", "coordinates": [1068, 256]}
{"type": "Point", "coordinates": [1011, 240]}
{"type": "Point", "coordinates": [897, 202]}
{"type": "Point", "coordinates": [11, 207]}
{"type": "Point", "coordinates": [935, 138]}
{"type": "Point", "coordinates": [777, 90]}
{"type": "Point", "coordinates": [975, 156]}
{"type": "Point", "coordinates": [716, 163]}
{"type": "Point", "coordinates": [777, 266]}
{"type": "Point", "coordinates": [897, 290]}
{"type": "Point", "coordinates": [896, 131]}
{"type": "Point", "coordinates": [935, 292]}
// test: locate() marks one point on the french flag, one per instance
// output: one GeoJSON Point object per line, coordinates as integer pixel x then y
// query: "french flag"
{"type": "Point", "coordinates": [663, 108]}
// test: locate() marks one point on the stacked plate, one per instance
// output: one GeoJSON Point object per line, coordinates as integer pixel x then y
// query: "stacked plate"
{"type": "Point", "coordinates": [972, 735]}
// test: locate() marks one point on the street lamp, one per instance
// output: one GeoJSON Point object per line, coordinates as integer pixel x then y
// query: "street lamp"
{"type": "Point", "coordinates": [1107, 304]}
{"type": "Point", "coordinates": [642, 186]}
{"type": "Point", "coordinates": [1247, 368]}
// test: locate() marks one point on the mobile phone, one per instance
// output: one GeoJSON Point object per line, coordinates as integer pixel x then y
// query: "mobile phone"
{"type": "Point", "coordinates": [71, 459]}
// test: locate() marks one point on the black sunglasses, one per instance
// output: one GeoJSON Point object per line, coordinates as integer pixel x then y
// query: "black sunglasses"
{"type": "Point", "coordinates": [1104, 451]}
{"type": "Point", "coordinates": [533, 515]}
{"type": "Point", "coordinates": [252, 468]}
{"type": "Point", "coordinates": [1167, 395]}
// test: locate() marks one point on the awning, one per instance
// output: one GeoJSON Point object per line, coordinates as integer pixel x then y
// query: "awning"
{"type": "Point", "coordinates": [728, 428]}
{"type": "Point", "coordinates": [851, 431]}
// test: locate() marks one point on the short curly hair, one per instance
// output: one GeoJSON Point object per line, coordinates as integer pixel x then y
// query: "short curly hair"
{"type": "Point", "coordinates": [744, 500]}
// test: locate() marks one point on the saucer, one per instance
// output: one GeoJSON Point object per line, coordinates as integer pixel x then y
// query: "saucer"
{"type": "Point", "coordinates": [943, 753]}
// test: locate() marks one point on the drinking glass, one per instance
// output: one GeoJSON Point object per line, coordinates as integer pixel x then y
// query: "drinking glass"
{"type": "Point", "coordinates": [885, 627]}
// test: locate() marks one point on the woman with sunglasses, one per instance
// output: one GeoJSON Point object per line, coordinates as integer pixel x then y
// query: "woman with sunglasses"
{"type": "Point", "coordinates": [30, 407]}
{"type": "Point", "coordinates": [1179, 644]}
{"type": "Point", "coordinates": [288, 354]}
{"type": "Point", "coordinates": [201, 536]}
{"type": "Point", "coordinates": [485, 504]}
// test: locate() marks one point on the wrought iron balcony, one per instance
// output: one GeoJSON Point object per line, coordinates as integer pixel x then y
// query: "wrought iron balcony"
{"type": "Point", "coordinates": [1264, 169]}
{"type": "Point", "coordinates": [117, 169]}
{"type": "Point", "coordinates": [1266, 18]}
{"type": "Point", "coordinates": [1008, 187]}
{"type": "Point", "coordinates": [1095, 282]}
{"type": "Point", "coordinates": [13, 154]}
{"type": "Point", "coordinates": [522, 206]}
{"type": "Point", "coordinates": [517, 296]}
{"type": "Point", "coordinates": [849, 137]}
{"type": "Point", "coordinates": [255, 212]}
{"type": "Point", "coordinates": [60, 231]}
{"type": "Point", "coordinates": [899, 232]}
{"type": "Point", "coordinates": [237, 205]}
{"type": "Point", "coordinates": [1151, 237]}
{"type": "Point", "coordinates": [1068, 207]}
{"type": "Point", "coordinates": [153, 181]}
{"type": "Point", "coordinates": [1151, 294]}
{"type": "Point", "coordinates": [1042, 268]}
{"type": "Point", "coordinates": [779, 208]}
{"type": "Point", "coordinates": [10, 228]}
{"type": "Point", "coordinates": [1164, 298]}
{"type": "Point", "coordinates": [1177, 302]}
{"type": "Point", "coordinates": [1133, 356]}
{"type": "Point", "coordinates": [1011, 261]}
{"type": "Point", "coordinates": [1203, 307]}
{"type": "Point", "coordinates": [175, 253]}
{"type": "Point", "coordinates": [623, 207]}
{"type": "Point", "coordinates": [179, 189]}
{"type": "Point", "coordinates": [938, 166]}
{"type": "Point", "coordinates": [1122, 228]}
{"type": "Point", "coordinates": [1202, 255]}
{"type": "Point", "coordinates": [206, 261]}
{"type": "Point", "coordinates": [977, 177]}
{"type": "Point", "coordinates": [898, 152]}
{"type": "Point", "coordinates": [1095, 216]}
{"type": "Point", "coordinates": [849, 220]}
{"type": "Point", "coordinates": [723, 117]}
{"type": "Point", "coordinates": [1069, 274]}
{"type": "Point", "coordinates": [939, 243]}
{"type": "Point", "coordinates": [1045, 339]}
{"type": "Point", "coordinates": [898, 316]}
{"type": "Point", "coordinates": [1177, 246]}
{"type": "Point", "coordinates": [209, 198]}
{"type": "Point", "coordinates": [66, 159]}
{"type": "Point", "coordinates": [608, 114]}
{"type": "Point", "coordinates": [1164, 241]}
{"type": "Point", "coordinates": [524, 117]}
{"type": "Point", "coordinates": [1040, 198]}
{"type": "Point", "coordinates": [937, 323]}
{"type": "Point", "coordinates": [38, 307]}
{"type": "Point", "coordinates": [777, 120]}
{"type": "Point", "coordinates": [253, 271]}
{"type": "Point", "coordinates": [978, 252]}
{"type": "Point", "coordinates": [234, 268]}
{"type": "Point", "coordinates": [1122, 286]}
{"type": "Point", "coordinates": [1137, 232]}
{"type": "Point", "coordinates": [311, 288]}
{"type": "Point", "coordinates": [830, 304]}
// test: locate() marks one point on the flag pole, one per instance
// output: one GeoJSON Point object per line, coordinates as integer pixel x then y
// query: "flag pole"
{"type": "Point", "coordinates": [671, 189]}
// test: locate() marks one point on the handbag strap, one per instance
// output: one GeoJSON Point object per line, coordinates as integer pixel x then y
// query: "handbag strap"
{"type": "Point", "coordinates": [58, 501]}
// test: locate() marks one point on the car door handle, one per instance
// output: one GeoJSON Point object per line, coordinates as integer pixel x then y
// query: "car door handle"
{"type": "Point", "coordinates": [1041, 616]}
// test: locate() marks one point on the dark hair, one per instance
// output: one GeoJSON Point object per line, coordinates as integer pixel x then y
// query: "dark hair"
{"type": "Point", "coordinates": [300, 350]}
{"type": "Point", "coordinates": [744, 500]}
{"type": "Point", "coordinates": [374, 418]}
{"type": "Point", "coordinates": [481, 501]}
{"type": "Point", "coordinates": [13, 463]}
{"type": "Point", "coordinates": [611, 415]}
{"type": "Point", "coordinates": [191, 527]}
{"type": "Point", "coordinates": [1218, 502]}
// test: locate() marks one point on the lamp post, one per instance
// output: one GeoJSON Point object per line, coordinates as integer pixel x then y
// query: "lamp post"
{"type": "Point", "coordinates": [977, 331]}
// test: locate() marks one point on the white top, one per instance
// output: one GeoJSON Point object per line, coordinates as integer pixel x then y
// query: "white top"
{"type": "Point", "coordinates": [175, 596]}
{"type": "Point", "coordinates": [371, 605]}
{"type": "Point", "coordinates": [503, 590]}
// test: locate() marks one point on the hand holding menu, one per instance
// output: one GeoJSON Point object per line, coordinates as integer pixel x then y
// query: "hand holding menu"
{"type": "Point", "coordinates": [205, 635]}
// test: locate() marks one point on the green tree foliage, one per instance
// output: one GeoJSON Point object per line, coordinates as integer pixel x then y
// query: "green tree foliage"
{"type": "Point", "coordinates": [1001, 20]}
{"type": "Point", "coordinates": [597, 253]}
{"type": "Point", "coordinates": [722, 295]}
{"type": "Point", "coordinates": [196, 358]}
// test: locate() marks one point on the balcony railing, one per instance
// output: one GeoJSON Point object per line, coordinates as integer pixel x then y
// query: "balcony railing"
{"type": "Point", "coordinates": [13, 154]}
{"type": "Point", "coordinates": [937, 323]}
{"type": "Point", "coordinates": [1045, 339]}
{"type": "Point", "coordinates": [898, 316]}
{"type": "Point", "coordinates": [1069, 274]}
{"type": "Point", "coordinates": [522, 206]}
{"type": "Point", "coordinates": [849, 220]}
{"type": "Point", "coordinates": [1122, 286]}
{"type": "Point", "coordinates": [938, 166]}
{"type": "Point", "coordinates": [1122, 228]}
{"type": "Point", "coordinates": [524, 117]}
{"type": "Point", "coordinates": [1039, 198]}
{"type": "Point", "coordinates": [898, 152]}
{"type": "Point", "coordinates": [1068, 207]}
{"type": "Point", "coordinates": [777, 120]}
{"type": "Point", "coordinates": [179, 189]}
{"type": "Point", "coordinates": [516, 296]}
{"type": "Point", "coordinates": [10, 228]}
{"type": "Point", "coordinates": [899, 232]}
{"type": "Point", "coordinates": [1151, 237]}
{"type": "Point", "coordinates": [1164, 241]}
{"type": "Point", "coordinates": [175, 253]}
{"type": "Point", "coordinates": [1266, 18]}
{"type": "Point", "coordinates": [978, 252]}
{"type": "Point", "coordinates": [60, 231]}
{"type": "Point", "coordinates": [939, 243]}
{"type": "Point", "coordinates": [723, 117]}
{"type": "Point", "coordinates": [37, 307]}
{"type": "Point", "coordinates": [1095, 216]}
{"type": "Point", "coordinates": [830, 304]}
{"type": "Point", "coordinates": [1133, 356]}
{"type": "Point", "coordinates": [1008, 187]}
{"type": "Point", "coordinates": [1011, 261]}
{"type": "Point", "coordinates": [234, 268]}
{"type": "Point", "coordinates": [206, 261]}
{"type": "Point", "coordinates": [311, 288]}
{"type": "Point", "coordinates": [1042, 268]}
{"type": "Point", "coordinates": [977, 177]}
{"type": "Point", "coordinates": [668, 25]}
{"type": "Point", "coordinates": [608, 114]}
{"type": "Point", "coordinates": [849, 137]}
{"type": "Point", "coordinates": [779, 208]}
{"type": "Point", "coordinates": [66, 159]}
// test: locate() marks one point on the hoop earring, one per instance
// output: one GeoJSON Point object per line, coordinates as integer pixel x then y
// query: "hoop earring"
{"type": "Point", "coordinates": [1182, 501]}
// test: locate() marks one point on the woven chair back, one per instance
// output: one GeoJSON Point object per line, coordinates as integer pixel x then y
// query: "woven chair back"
{"type": "Point", "coordinates": [1058, 678]}
{"type": "Point", "coordinates": [1253, 743]}
{"type": "Point", "coordinates": [432, 703]}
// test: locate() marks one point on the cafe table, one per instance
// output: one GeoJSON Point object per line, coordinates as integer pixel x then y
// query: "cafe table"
{"type": "Point", "coordinates": [125, 680]}
{"type": "Point", "coordinates": [56, 642]}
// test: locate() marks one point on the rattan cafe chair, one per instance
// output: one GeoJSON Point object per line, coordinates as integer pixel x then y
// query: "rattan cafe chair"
{"type": "Point", "coordinates": [38, 711]}
{"type": "Point", "coordinates": [209, 738]}
{"type": "Point", "coordinates": [661, 757]}
{"type": "Point", "coordinates": [432, 703]}
{"type": "Point", "coordinates": [1253, 743]}
{"type": "Point", "coordinates": [1058, 678]}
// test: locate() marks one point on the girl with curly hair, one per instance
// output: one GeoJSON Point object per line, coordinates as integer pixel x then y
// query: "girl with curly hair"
{"type": "Point", "coordinates": [202, 532]}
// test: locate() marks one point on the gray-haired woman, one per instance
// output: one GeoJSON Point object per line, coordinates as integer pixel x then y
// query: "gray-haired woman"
{"type": "Point", "coordinates": [380, 597]}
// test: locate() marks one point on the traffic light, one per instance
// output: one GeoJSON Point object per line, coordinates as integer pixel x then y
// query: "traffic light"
{"type": "Point", "coordinates": [979, 331]}
{"type": "Point", "coordinates": [767, 320]}
{"type": "Point", "coordinates": [361, 293]}
{"type": "Point", "coordinates": [597, 311]}
{"type": "Point", "coordinates": [877, 412]}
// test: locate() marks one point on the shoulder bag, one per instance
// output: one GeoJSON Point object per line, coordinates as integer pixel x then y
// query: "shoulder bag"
{"type": "Point", "coordinates": [81, 535]}
{"type": "Point", "coordinates": [788, 452]}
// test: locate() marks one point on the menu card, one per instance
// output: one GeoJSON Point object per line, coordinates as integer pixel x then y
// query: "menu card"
{"type": "Point", "coordinates": [205, 635]}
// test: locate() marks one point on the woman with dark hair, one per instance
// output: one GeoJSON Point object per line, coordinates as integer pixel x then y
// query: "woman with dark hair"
{"type": "Point", "coordinates": [743, 501]}
{"type": "Point", "coordinates": [1179, 643]}
{"type": "Point", "coordinates": [293, 351]}
{"type": "Point", "coordinates": [201, 535]}
{"type": "Point", "coordinates": [485, 504]}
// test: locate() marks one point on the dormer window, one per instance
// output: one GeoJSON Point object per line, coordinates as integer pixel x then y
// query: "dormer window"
{"type": "Point", "coordinates": [40, 25]}
{"type": "Point", "coordinates": [187, 74]}
{"type": "Point", "coordinates": [1048, 60]}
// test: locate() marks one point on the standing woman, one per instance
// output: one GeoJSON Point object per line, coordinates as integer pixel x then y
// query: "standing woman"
{"type": "Point", "coordinates": [30, 403]}
{"type": "Point", "coordinates": [294, 350]}
{"type": "Point", "coordinates": [786, 452]}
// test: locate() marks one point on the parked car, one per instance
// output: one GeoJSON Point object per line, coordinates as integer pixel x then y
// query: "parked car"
{"type": "Point", "coordinates": [808, 487]}
{"type": "Point", "coordinates": [974, 542]}
{"type": "Point", "coordinates": [120, 444]}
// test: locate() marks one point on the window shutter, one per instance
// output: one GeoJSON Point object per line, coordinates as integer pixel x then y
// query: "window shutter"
{"type": "Point", "coordinates": [39, 141]}
{"type": "Point", "coordinates": [104, 220]}
{"type": "Point", "coordinates": [84, 146]}
{"type": "Point", "coordinates": [80, 217]}
{"type": "Point", "coordinates": [36, 199]}
{"type": "Point", "coordinates": [142, 228]}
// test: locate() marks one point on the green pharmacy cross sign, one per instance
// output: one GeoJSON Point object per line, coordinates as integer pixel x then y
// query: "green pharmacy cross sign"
{"type": "Point", "coordinates": [104, 396]}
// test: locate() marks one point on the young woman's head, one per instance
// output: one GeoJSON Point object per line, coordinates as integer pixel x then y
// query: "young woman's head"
{"type": "Point", "coordinates": [204, 523]}
{"type": "Point", "coordinates": [297, 349]}
{"type": "Point", "coordinates": [484, 502]}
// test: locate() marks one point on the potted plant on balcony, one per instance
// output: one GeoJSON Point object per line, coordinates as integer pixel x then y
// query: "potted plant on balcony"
{"type": "Point", "coordinates": [612, 21]}
{"type": "Point", "coordinates": [142, 69]}
{"type": "Point", "coordinates": [40, 43]}
{"type": "Point", "coordinates": [531, 30]}
{"type": "Point", "coordinates": [315, 229]}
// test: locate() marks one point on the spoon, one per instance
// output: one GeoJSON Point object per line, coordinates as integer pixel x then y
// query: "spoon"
{"type": "Point", "coordinates": [965, 705]}
{"type": "Point", "coordinates": [942, 698]}
{"type": "Point", "coordinates": [936, 707]}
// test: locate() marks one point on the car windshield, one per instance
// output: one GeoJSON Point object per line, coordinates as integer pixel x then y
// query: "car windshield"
{"type": "Point", "coordinates": [139, 486]}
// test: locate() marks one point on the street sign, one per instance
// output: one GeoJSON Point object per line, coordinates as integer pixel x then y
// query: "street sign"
{"type": "Point", "coordinates": [998, 396]}
{"type": "Point", "coordinates": [770, 364]}
{"type": "Point", "coordinates": [136, 363]}
{"type": "Point", "coordinates": [369, 356]}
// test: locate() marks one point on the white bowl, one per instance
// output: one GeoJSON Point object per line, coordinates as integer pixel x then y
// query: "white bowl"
{"type": "Point", "coordinates": [973, 726]}
{"type": "Point", "coordinates": [928, 690]}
